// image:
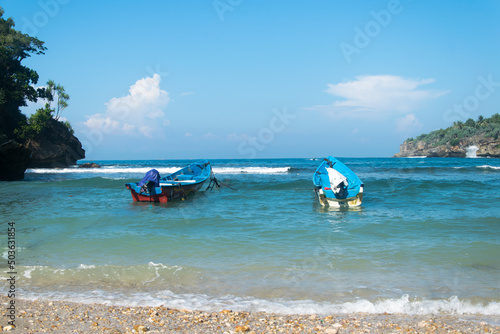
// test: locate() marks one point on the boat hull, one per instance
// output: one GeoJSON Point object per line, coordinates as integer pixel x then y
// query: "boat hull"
{"type": "Point", "coordinates": [165, 194]}
{"type": "Point", "coordinates": [339, 203]}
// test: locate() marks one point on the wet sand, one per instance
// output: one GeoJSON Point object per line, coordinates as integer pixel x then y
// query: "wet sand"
{"type": "Point", "coordinates": [68, 317]}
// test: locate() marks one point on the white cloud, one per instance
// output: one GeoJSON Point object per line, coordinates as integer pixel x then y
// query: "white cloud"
{"type": "Point", "coordinates": [408, 123]}
{"type": "Point", "coordinates": [210, 135]}
{"type": "Point", "coordinates": [234, 137]}
{"type": "Point", "coordinates": [140, 112]}
{"type": "Point", "coordinates": [99, 121]}
{"type": "Point", "coordinates": [372, 95]}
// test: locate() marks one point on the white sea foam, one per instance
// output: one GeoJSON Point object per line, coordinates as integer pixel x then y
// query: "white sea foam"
{"type": "Point", "coordinates": [207, 303]}
{"type": "Point", "coordinates": [161, 170]}
{"type": "Point", "coordinates": [470, 152]}
{"type": "Point", "coordinates": [116, 294]}
{"type": "Point", "coordinates": [5, 251]}
{"type": "Point", "coordinates": [103, 170]}
{"type": "Point", "coordinates": [84, 272]}
{"type": "Point", "coordinates": [157, 267]}
{"type": "Point", "coordinates": [29, 269]}
{"type": "Point", "coordinates": [251, 170]}
{"type": "Point", "coordinates": [489, 167]}
{"type": "Point", "coordinates": [85, 266]}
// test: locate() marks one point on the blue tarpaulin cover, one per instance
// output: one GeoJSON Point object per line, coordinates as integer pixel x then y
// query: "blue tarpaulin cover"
{"type": "Point", "coordinates": [152, 175]}
{"type": "Point", "coordinates": [322, 179]}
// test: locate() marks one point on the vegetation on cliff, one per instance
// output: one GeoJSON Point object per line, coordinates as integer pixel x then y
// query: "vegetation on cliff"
{"type": "Point", "coordinates": [39, 122]}
{"type": "Point", "coordinates": [17, 86]}
{"type": "Point", "coordinates": [453, 135]}
{"type": "Point", "coordinates": [41, 136]}
{"type": "Point", "coordinates": [16, 81]}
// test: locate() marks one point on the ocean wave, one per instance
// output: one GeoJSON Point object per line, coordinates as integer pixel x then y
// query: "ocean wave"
{"type": "Point", "coordinates": [153, 284]}
{"type": "Point", "coordinates": [103, 170]}
{"type": "Point", "coordinates": [114, 276]}
{"type": "Point", "coordinates": [203, 302]}
{"type": "Point", "coordinates": [496, 168]}
{"type": "Point", "coordinates": [251, 170]}
{"type": "Point", "coordinates": [161, 170]}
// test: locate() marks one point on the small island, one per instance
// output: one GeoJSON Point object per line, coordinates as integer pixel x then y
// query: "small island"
{"type": "Point", "coordinates": [480, 138]}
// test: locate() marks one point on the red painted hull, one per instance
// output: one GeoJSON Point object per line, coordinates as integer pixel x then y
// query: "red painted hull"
{"type": "Point", "coordinates": [168, 193]}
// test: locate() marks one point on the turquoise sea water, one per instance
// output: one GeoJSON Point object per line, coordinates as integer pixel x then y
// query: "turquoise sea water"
{"type": "Point", "coordinates": [425, 240]}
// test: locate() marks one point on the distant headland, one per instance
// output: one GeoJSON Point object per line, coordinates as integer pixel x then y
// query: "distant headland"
{"type": "Point", "coordinates": [480, 138]}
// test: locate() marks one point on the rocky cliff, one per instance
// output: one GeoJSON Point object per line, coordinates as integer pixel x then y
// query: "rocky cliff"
{"type": "Point", "coordinates": [486, 147]}
{"type": "Point", "coordinates": [54, 147]}
{"type": "Point", "coordinates": [14, 159]}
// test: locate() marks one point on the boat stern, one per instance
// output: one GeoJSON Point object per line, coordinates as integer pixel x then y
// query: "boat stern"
{"type": "Point", "coordinates": [326, 201]}
{"type": "Point", "coordinates": [139, 196]}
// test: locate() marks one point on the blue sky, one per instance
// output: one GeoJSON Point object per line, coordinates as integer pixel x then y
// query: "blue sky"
{"type": "Point", "coordinates": [262, 79]}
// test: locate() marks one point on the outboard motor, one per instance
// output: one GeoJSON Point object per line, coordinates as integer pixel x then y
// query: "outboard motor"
{"type": "Point", "coordinates": [150, 181]}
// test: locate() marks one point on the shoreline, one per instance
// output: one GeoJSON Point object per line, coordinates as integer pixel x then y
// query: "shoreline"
{"type": "Point", "coordinates": [43, 316]}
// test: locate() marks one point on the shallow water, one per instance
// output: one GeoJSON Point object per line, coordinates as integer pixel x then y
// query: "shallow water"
{"type": "Point", "coordinates": [425, 240]}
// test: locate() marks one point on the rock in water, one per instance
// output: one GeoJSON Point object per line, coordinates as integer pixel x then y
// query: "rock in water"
{"type": "Point", "coordinates": [89, 165]}
{"type": "Point", "coordinates": [14, 159]}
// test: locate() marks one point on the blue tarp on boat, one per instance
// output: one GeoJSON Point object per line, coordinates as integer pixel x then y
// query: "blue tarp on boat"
{"type": "Point", "coordinates": [350, 185]}
{"type": "Point", "coordinates": [153, 175]}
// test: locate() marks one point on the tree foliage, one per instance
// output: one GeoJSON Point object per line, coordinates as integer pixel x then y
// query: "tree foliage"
{"type": "Point", "coordinates": [36, 124]}
{"type": "Point", "coordinates": [57, 91]}
{"type": "Point", "coordinates": [489, 127]}
{"type": "Point", "coordinates": [17, 86]}
{"type": "Point", "coordinates": [16, 80]}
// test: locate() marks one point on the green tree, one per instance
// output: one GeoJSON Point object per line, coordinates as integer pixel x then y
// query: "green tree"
{"type": "Point", "coordinates": [458, 125]}
{"type": "Point", "coordinates": [16, 80]}
{"type": "Point", "coordinates": [489, 127]}
{"type": "Point", "coordinates": [58, 90]}
{"type": "Point", "coordinates": [495, 118]}
{"type": "Point", "coordinates": [470, 122]}
{"type": "Point", "coordinates": [36, 124]}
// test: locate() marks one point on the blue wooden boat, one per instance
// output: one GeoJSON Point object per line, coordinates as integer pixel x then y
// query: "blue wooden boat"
{"type": "Point", "coordinates": [176, 186]}
{"type": "Point", "coordinates": [336, 185]}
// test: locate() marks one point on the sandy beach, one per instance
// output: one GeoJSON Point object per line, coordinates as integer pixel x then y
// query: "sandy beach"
{"type": "Point", "coordinates": [68, 317]}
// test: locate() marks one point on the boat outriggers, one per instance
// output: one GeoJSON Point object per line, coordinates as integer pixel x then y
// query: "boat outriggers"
{"type": "Point", "coordinates": [336, 185]}
{"type": "Point", "coordinates": [175, 186]}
